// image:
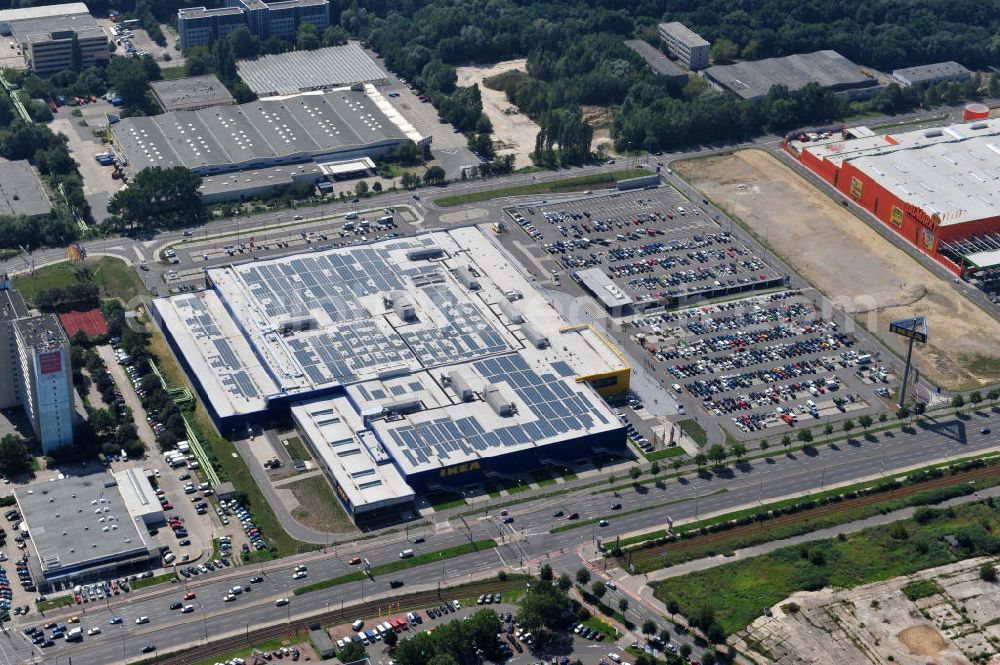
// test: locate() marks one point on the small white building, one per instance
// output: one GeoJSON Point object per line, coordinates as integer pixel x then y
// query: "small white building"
{"type": "Point", "coordinates": [139, 496]}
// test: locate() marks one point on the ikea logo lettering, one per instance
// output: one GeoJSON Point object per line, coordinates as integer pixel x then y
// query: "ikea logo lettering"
{"type": "Point", "coordinates": [459, 468]}
{"type": "Point", "coordinates": [343, 495]}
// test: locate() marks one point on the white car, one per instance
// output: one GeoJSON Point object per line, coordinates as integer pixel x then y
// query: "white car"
{"type": "Point", "coordinates": [281, 602]}
{"type": "Point", "coordinates": [142, 620]}
{"type": "Point", "coordinates": [94, 631]}
{"type": "Point", "coordinates": [299, 575]}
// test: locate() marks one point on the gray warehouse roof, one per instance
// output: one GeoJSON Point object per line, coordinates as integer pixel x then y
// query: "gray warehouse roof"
{"type": "Point", "coordinates": [191, 93]}
{"type": "Point", "coordinates": [297, 71]}
{"type": "Point", "coordinates": [82, 24]}
{"type": "Point", "coordinates": [48, 11]}
{"type": "Point", "coordinates": [752, 80]}
{"type": "Point", "coordinates": [77, 520]}
{"type": "Point", "coordinates": [658, 62]}
{"type": "Point", "coordinates": [21, 191]}
{"type": "Point", "coordinates": [263, 133]}
{"type": "Point", "coordinates": [603, 288]}
{"type": "Point", "coordinates": [932, 72]}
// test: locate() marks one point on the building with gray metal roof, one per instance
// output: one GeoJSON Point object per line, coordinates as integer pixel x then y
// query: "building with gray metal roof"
{"type": "Point", "coordinates": [301, 71]}
{"type": "Point", "coordinates": [191, 93]}
{"type": "Point", "coordinates": [657, 61]}
{"type": "Point", "coordinates": [80, 529]}
{"type": "Point", "coordinates": [400, 376]}
{"type": "Point", "coordinates": [21, 190]}
{"type": "Point", "coordinates": [753, 79]}
{"type": "Point", "coordinates": [267, 133]}
{"type": "Point", "coordinates": [937, 72]}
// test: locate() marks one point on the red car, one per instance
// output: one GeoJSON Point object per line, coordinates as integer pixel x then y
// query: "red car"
{"type": "Point", "coordinates": [355, 561]}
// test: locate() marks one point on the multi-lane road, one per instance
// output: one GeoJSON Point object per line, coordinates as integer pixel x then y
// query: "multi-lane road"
{"type": "Point", "coordinates": [525, 544]}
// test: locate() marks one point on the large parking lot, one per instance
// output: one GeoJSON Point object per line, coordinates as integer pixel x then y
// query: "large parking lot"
{"type": "Point", "coordinates": [710, 316]}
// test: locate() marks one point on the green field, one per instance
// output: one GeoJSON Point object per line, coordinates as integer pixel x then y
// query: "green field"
{"type": "Point", "coordinates": [114, 278]}
{"type": "Point", "coordinates": [245, 652]}
{"type": "Point", "coordinates": [400, 564]}
{"type": "Point", "coordinates": [666, 453]}
{"type": "Point", "coordinates": [152, 581]}
{"type": "Point", "coordinates": [738, 592]}
{"type": "Point", "coordinates": [318, 508]}
{"type": "Point", "coordinates": [55, 603]}
{"type": "Point", "coordinates": [695, 431]}
{"type": "Point", "coordinates": [577, 183]}
{"type": "Point", "coordinates": [296, 449]}
{"type": "Point", "coordinates": [444, 500]}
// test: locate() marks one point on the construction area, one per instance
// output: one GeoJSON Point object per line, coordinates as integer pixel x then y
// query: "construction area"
{"type": "Point", "coordinates": [952, 618]}
{"type": "Point", "coordinates": [849, 262]}
{"type": "Point", "coordinates": [515, 132]}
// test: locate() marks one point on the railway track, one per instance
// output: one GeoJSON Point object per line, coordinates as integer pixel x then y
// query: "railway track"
{"type": "Point", "coordinates": [408, 603]}
{"type": "Point", "coordinates": [682, 545]}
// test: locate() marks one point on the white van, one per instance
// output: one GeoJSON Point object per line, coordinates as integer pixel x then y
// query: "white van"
{"type": "Point", "coordinates": [811, 404]}
{"type": "Point", "coordinates": [356, 626]}
{"type": "Point", "coordinates": [351, 215]}
{"type": "Point", "coordinates": [406, 554]}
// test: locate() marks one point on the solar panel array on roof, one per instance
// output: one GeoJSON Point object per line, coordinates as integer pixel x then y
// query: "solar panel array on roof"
{"type": "Point", "coordinates": [559, 410]}
{"type": "Point", "coordinates": [467, 335]}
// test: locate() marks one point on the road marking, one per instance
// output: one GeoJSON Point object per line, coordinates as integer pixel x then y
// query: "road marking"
{"type": "Point", "coordinates": [502, 562]}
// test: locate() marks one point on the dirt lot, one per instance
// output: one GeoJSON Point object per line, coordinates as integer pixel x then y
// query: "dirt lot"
{"type": "Point", "coordinates": [852, 265]}
{"type": "Point", "coordinates": [515, 131]}
{"type": "Point", "coordinates": [872, 623]}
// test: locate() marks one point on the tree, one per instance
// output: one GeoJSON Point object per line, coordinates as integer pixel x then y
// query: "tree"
{"type": "Point", "coordinates": [700, 460]}
{"type": "Point", "coordinates": [739, 451]}
{"type": "Point", "coordinates": [988, 572]}
{"type": "Point", "coordinates": [709, 657]}
{"type": "Point", "coordinates": [847, 426]}
{"type": "Point", "coordinates": [583, 577]}
{"type": "Point", "coordinates": [994, 394]}
{"type": "Point", "coordinates": [198, 61]}
{"type": "Point", "coordinates": [544, 605]}
{"type": "Point", "coordinates": [13, 455]}
{"type": "Point", "coordinates": [377, 187]}
{"type": "Point", "coordinates": [75, 54]}
{"type": "Point", "coordinates": [564, 582]}
{"type": "Point", "coordinates": [634, 472]}
{"type": "Point", "coordinates": [361, 188]}
{"type": "Point", "coordinates": [159, 197]}
{"type": "Point", "coordinates": [223, 61]}
{"type": "Point", "coordinates": [129, 79]}
{"type": "Point", "coordinates": [958, 401]}
{"type": "Point", "coordinates": [919, 408]}
{"type": "Point", "coordinates": [903, 412]}
{"type": "Point", "coordinates": [828, 429]}
{"type": "Point", "coordinates": [975, 397]}
{"type": "Point", "coordinates": [649, 627]}
{"type": "Point", "coordinates": [351, 652]}
{"type": "Point", "coordinates": [390, 639]}
{"type": "Point", "coordinates": [676, 464]}
{"type": "Point", "coordinates": [654, 468]}
{"type": "Point", "coordinates": [545, 573]}
{"type": "Point", "coordinates": [622, 605]}
{"type": "Point", "coordinates": [786, 441]}
{"type": "Point", "coordinates": [434, 175]}
{"type": "Point", "coordinates": [717, 455]}
{"type": "Point", "coordinates": [673, 607]}
{"type": "Point", "coordinates": [334, 35]}
{"type": "Point", "coordinates": [409, 180]}
{"type": "Point", "coordinates": [245, 44]}
{"type": "Point", "coordinates": [685, 650]}
{"type": "Point", "coordinates": [805, 435]}
{"type": "Point", "coordinates": [306, 37]}
{"type": "Point", "coordinates": [442, 659]}
{"type": "Point", "coordinates": [598, 589]}
{"type": "Point", "coordinates": [724, 51]}
{"type": "Point", "coordinates": [763, 445]}
{"type": "Point", "coordinates": [865, 421]}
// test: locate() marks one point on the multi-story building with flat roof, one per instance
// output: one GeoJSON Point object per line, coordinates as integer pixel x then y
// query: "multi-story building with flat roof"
{"type": "Point", "coordinates": [199, 26]}
{"type": "Point", "coordinates": [12, 308]}
{"type": "Point", "coordinates": [45, 36]}
{"type": "Point", "coordinates": [46, 379]}
{"type": "Point", "coordinates": [685, 45]}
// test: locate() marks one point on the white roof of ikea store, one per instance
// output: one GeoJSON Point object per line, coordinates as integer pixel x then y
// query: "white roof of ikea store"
{"type": "Point", "coordinates": [296, 71]}
{"type": "Point", "coordinates": [299, 323]}
{"type": "Point", "coordinates": [952, 171]}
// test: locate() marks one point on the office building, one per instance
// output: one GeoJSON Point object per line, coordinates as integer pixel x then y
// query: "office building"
{"type": "Point", "coordinates": [45, 36]}
{"type": "Point", "coordinates": [685, 45]}
{"type": "Point", "coordinates": [46, 379]}
{"type": "Point", "coordinates": [199, 26]}
{"type": "Point", "coordinates": [81, 530]}
{"type": "Point", "coordinates": [939, 72]}
{"type": "Point", "coordinates": [409, 365]}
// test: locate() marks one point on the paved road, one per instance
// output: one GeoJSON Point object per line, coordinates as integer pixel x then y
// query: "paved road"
{"type": "Point", "coordinates": [528, 542]}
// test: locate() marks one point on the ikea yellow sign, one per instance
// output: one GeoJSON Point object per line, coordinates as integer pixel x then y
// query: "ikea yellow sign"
{"type": "Point", "coordinates": [459, 468]}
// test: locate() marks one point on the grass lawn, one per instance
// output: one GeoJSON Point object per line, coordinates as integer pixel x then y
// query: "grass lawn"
{"type": "Point", "coordinates": [695, 431]}
{"type": "Point", "coordinates": [666, 453]}
{"type": "Point", "coordinates": [400, 564]}
{"type": "Point", "coordinates": [318, 508]}
{"type": "Point", "coordinates": [152, 581]}
{"type": "Point", "coordinates": [169, 73]}
{"type": "Point", "coordinates": [444, 500]}
{"type": "Point", "coordinates": [921, 589]}
{"type": "Point", "coordinates": [592, 181]}
{"type": "Point", "coordinates": [54, 603]}
{"type": "Point", "coordinates": [113, 277]}
{"type": "Point", "coordinates": [245, 652]}
{"type": "Point", "coordinates": [296, 449]}
{"type": "Point", "coordinates": [737, 592]}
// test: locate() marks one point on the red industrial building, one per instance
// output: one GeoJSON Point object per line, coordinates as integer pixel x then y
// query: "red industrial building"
{"type": "Point", "coordinates": [939, 188]}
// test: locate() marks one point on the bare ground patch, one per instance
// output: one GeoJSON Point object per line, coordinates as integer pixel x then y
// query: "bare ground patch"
{"type": "Point", "coordinates": [513, 130]}
{"type": "Point", "coordinates": [923, 640]}
{"type": "Point", "coordinates": [852, 264]}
